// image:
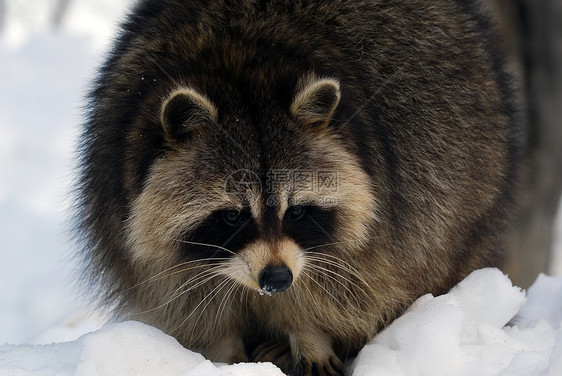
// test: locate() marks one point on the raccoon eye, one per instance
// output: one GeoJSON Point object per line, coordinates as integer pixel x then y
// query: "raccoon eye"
{"type": "Point", "coordinates": [233, 218]}
{"type": "Point", "coordinates": [294, 213]}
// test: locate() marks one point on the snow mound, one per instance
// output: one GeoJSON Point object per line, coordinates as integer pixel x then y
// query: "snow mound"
{"type": "Point", "coordinates": [466, 332]}
{"type": "Point", "coordinates": [128, 348]}
{"type": "Point", "coordinates": [483, 326]}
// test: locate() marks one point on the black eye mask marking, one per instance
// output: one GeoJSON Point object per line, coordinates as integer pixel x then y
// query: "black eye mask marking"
{"type": "Point", "coordinates": [221, 235]}
{"type": "Point", "coordinates": [310, 225]}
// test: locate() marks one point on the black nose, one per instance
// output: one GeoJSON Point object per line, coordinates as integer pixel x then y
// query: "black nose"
{"type": "Point", "coordinates": [275, 278]}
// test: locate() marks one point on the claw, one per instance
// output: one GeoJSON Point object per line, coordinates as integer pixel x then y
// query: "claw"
{"type": "Point", "coordinates": [330, 367]}
{"type": "Point", "coordinates": [278, 353]}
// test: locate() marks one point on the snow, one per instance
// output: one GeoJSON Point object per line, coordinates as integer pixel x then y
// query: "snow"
{"type": "Point", "coordinates": [484, 326]}
{"type": "Point", "coordinates": [465, 332]}
{"type": "Point", "coordinates": [129, 348]}
{"type": "Point", "coordinates": [44, 75]}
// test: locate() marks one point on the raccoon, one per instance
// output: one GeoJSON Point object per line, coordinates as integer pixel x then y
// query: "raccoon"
{"type": "Point", "coordinates": [278, 180]}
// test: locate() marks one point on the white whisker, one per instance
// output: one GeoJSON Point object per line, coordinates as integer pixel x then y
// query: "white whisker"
{"type": "Point", "coordinates": [206, 245]}
{"type": "Point", "coordinates": [219, 286]}
{"type": "Point", "coordinates": [161, 275]}
{"type": "Point", "coordinates": [222, 304]}
{"type": "Point", "coordinates": [323, 288]}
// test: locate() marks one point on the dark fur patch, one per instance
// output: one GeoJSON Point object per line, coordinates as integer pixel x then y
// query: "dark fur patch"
{"type": "Point", "coordinates": [315, 228]}
{"type": "Point", "coordinates": [214, 231]}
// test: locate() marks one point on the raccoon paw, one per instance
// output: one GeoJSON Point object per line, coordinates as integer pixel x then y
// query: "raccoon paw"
{"type": "Point", "coordinates": [229, 350]}
{"type": "Point", "coordinates": [329, 367]}
{"type": "Point", "coordinates": [238, 357]}
{"type": "Point", "coordinates": [278, 353]}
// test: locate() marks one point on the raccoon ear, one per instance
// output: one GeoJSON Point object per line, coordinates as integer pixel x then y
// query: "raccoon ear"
{"type": "Point", "coordinates": [316, 102]}
{"type": "Point", "coordinates": [184, 112]}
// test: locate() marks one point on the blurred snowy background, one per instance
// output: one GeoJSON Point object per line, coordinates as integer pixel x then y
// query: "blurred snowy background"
{"type": "Point", "coordinates": [49, 50]}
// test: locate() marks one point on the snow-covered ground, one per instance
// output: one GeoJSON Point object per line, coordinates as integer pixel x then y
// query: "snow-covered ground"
{"type": "Point", "coordinates": [44, 73]}
{"type": "Point", "coordinates": [462, 333]}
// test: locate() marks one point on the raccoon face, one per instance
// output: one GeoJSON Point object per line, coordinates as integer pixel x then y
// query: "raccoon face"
{"type": "Point", "coordinates": [254, 198]}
